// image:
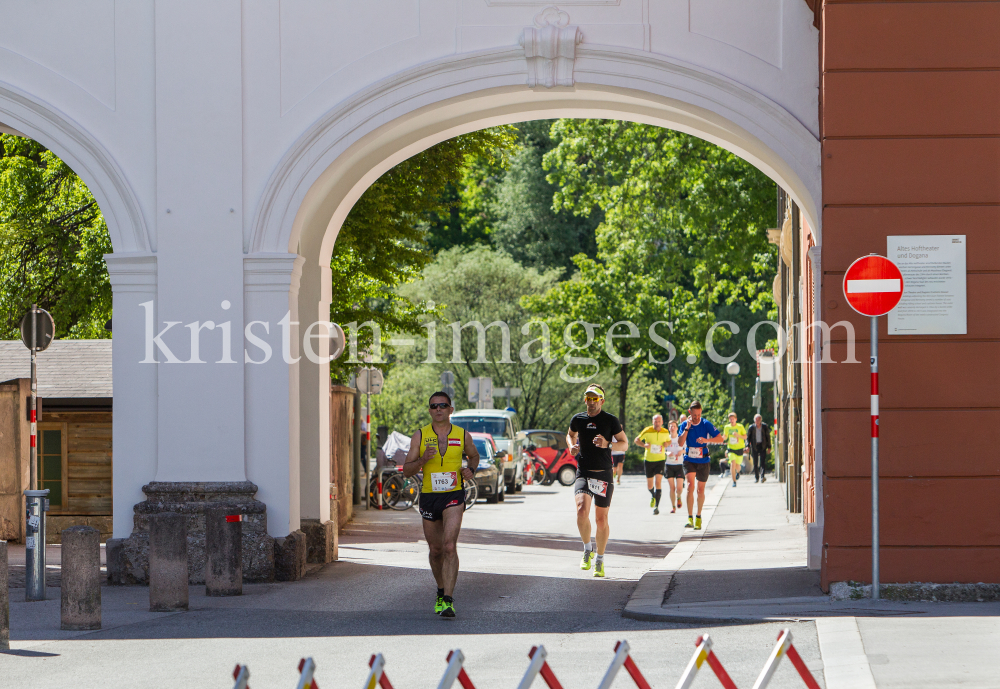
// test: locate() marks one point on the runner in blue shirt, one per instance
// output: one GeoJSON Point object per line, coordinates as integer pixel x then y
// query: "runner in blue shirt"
{"type": "Point", "coordinates": [695, 434]}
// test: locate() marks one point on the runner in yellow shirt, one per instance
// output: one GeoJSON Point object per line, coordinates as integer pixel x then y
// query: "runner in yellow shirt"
{"type": "Point", "coordinates": [655, 439]}
{"type": "Point", "coordinates": [736, 436]}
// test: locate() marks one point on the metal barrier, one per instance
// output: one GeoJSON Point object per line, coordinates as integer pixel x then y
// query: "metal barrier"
{"type": "Point", "coordinates": [782, 648]}
{"type": "Point", "coordinates": [622, 658]}
{"type": "Point", "coordinates": [242, 675]}
{"type": "Point", "coordinates": [538, 666]}
{"type": "Point", "coordinates": [702, 653]}
{"type": "Point", "coordinates": [455, 671]}
{"type": "Point", "coordinates": [377, 673]}
{"type": "Point", "coordinates": [307, 667]}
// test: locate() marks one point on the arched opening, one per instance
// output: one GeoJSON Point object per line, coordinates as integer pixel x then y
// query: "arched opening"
{"type": "Point", "coordinates": [132, 272]}
{"type": "Point", "coordinates": [312, 191]}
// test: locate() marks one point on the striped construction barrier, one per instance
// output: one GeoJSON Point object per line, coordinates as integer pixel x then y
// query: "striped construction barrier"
{"type": "Point", "coordinates": [538, 666]}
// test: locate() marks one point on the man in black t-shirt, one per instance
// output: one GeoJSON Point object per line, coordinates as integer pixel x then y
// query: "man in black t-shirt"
{"type": "Point", "coordinates": [592, 436]}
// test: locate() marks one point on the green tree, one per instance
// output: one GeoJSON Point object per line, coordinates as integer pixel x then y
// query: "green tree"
{"type": "Point", "coordinates": [52, 243]}
{"type": "Point", "coordinates": [482, 285]}
{"type": "Point", "coordinates": [383, 242]}
{"type": "Point", "coordinates": [688, 214]}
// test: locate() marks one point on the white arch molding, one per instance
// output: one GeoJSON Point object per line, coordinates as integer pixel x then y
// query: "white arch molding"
{"type": "Point", "coordinates": [314, 187]}
{"type": "Point", "coordinates": [127, 226]}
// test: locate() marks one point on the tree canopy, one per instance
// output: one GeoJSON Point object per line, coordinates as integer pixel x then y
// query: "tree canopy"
{"type": "Point", "coordinates": [52, 243]}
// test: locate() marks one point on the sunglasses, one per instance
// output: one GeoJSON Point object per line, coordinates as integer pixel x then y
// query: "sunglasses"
{"type": "Point", "coordinates": [591, 398]}
{"type": "Point", "coordinates": [440, 405]}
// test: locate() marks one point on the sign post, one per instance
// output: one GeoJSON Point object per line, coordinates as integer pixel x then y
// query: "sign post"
{"type": "Point", "coordinates": [37, 330]}
{"type": "Point", "coordinates": [873, 287]}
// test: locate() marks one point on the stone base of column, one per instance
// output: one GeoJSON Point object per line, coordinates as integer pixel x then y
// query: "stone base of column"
{"type": "Point", "coordinates": [321, 540]}
{"type": "Point", "coordinates": [128, 558]}
{"type": "Point", "coordinates": [290, 557]}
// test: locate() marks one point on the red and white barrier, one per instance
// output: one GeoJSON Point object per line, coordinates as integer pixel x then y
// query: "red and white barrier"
{"type": "Point", "coordinates": [782, 648]}
{"type": "Point", "coordinates": [623, 659]}
{"type": "Point", "coordinates": [377, 676]}
{"type": "Point", "coordinates": [455, 671]}
{"type": "Point", "coordinates": [307, 668]}
{"type": "Point", "coordinates": [242, 675]}
{"type": "Point", "coordinates": [538, 666]}
{"type": "Point", "coordinates": [702, 653]}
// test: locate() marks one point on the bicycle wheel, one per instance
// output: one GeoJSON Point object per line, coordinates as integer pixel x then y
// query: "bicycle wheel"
{"type": "Point", "coordinates": [471, 493]}
{"type": "Point", "coordinates": [405, 492]}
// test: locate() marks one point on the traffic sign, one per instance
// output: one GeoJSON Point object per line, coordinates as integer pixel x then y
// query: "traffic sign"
{"type": "Point", "coordinates": [45, 329]}
{"type": "Point", "coordinates": [370, 381]}
{"type": "Point", "coordinates": [481, 392]}
{"type": "Point", "coordinates": [873, 285]}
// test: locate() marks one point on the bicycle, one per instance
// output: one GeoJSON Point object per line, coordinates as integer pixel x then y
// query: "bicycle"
{"type": "Point", "coordinates": [398, 491]}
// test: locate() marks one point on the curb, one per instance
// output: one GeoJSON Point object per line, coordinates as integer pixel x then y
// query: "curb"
{"type": "Point", "coordinates": [646, 600]}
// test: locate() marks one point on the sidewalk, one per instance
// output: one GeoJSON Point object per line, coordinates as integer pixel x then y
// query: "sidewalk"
{"type": "Point", "coordinates": [749, 565]}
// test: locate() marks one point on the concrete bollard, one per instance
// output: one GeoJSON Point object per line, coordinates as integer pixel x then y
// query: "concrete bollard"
{"type": "Point", "coordinates": [4, 599]}
{"type": "Point", "coordinates": [168, 562]}
{"type": "Point", "coordinates": [81, 578]}
{"type": "Point", "coordinates": [223, 551]}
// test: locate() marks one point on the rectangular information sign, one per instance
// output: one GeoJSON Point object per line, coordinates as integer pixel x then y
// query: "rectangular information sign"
{"type": "Point", "coordinates": [934, 293]}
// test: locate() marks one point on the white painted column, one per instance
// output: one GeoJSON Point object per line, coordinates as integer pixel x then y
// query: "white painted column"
{"type": "Point", "coordinates": [271, 384]}
{"type": "Point", "coordinates": [134, 441]}
{"type": "Point", "coordinates": [314, 393]}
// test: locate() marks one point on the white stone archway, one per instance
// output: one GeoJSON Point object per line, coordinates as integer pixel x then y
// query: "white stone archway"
{"type": "Point", "coordinates": [132, 270]}
{"type": "Point", "coordinates": [314, 187]}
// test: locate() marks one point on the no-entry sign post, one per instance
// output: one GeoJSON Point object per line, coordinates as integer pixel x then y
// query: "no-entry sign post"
{"type": "Point", "coordinates": [873, 287]}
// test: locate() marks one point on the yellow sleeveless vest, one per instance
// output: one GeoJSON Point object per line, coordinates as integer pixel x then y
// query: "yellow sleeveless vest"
{"type": "Point", "coordinates": [443, 473]}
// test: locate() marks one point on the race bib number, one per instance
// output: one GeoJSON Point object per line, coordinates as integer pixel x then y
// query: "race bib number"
{"type": "Point", "coordinates": [598, 487]}
{"type": "Point", "coordinates": [444, 481]}
{"type": "Point", "coordinates": [694, 452]}
{"type": "Point", "coordinates": [656, 449]}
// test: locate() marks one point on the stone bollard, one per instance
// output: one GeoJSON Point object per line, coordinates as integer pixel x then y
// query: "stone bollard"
{"type": "Point", "coordinates": [81, 578]}
{"type": "Point", "coordinates": [168, 562]}
{"type": "Point", "coordinates": [223, 551]}
{"type": "Point", "coordinates": [4, 599]}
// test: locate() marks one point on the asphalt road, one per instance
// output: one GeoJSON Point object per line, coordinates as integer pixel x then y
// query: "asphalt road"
{"type": "Point", "coordinates": [520, 586]}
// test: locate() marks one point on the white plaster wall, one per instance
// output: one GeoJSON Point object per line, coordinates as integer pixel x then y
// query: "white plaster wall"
{"type": "Point", "coordinates": [256, 123]}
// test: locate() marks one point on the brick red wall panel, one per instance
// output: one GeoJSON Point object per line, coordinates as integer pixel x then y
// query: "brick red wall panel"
{"type": "Point", "coordinates": [912, 103]}
{"type": "Point", "coordinates": [913, 512]}
{"type": "Point", "coordinates": [901, 565]}
{"type": "Point", "coordinates": [915, 35]}
{"type": "Point", "coordinates": [852, 232]}
{"type": "Point", "coordinates": [910, 444]}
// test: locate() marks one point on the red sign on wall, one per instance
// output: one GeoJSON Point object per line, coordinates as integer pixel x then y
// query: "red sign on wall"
{"type": "Point", "coordinates": [873, 285]}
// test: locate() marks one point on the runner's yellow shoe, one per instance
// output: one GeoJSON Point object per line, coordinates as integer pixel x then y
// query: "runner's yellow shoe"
{"type": "Point", "coordinates": [448, 610]}
{"type": "Point", "coordinates": [587, 556]}
{"type": "Point", "coordinates": [652, 502]}
{"type": "Point", "coordinates": [439, 605]}
{"type": "Point", "coordinates": [599, 568]}
{"type": "Point", "coordinates": [697, 523]}
{"type": "Point", "coordinates": [690, 522]}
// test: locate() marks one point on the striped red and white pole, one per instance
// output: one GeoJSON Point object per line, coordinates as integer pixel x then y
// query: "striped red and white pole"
{"type": "Point", "coordinates": [34, 428]}
{"type": "Point", "coordinates": [875, 400]}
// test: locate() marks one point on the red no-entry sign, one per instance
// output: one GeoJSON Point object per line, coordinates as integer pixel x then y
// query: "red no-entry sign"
{"type": "Point", "coordinates": [873, 285]}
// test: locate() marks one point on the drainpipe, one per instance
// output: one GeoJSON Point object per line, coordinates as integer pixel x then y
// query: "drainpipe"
{"type": "Point", "coordinates": [816, 529]}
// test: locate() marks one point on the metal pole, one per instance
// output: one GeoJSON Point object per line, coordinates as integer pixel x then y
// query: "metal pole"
{"type": "Point", "coordinates": [33, 458]}
{"type": "Point", "coordinates": [732, 390]}
{"type": "Point", "coordinates": [874, 361]}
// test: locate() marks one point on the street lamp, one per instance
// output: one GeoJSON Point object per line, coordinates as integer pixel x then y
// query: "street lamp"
{"type": "Point", "coordinates": [733, 369]}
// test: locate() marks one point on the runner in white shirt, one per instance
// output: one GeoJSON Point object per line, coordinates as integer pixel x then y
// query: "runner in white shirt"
{"type": "Point", "coordinates": [674, 468]}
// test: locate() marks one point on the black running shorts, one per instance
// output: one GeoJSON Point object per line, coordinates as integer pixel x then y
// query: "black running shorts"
{"type": "Point", "coordinates": [654, 468]}
{"type": "Point", "coordinates": [617, 460]}
{"type": "Point", "coordinates": [597, 484]}
{"type": "Point", "coordinates": [700, 469]}
{"type": "Point", "coordinates": [674, 471]}
{"type": "Point", "coordinates": [433, 505]}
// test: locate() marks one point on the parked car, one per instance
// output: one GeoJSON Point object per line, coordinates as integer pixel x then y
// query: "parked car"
{"type": "Point", "coordinates": [504, 426]}
{"type": "Point", "coordinates": [548, 448]}
{"type": "Point", "coordinates": [489, 473]}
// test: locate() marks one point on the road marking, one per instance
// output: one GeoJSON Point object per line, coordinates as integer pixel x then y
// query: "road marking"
{"type": "Point", "coordinates": [845, 664]}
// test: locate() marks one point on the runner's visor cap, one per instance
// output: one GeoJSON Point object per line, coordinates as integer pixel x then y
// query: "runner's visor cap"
{"type": "Point", "coordinates": [594, 391]}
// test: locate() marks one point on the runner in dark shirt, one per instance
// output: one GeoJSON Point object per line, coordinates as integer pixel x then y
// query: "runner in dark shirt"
{"type": "Point", "coordinates": [592, 436]}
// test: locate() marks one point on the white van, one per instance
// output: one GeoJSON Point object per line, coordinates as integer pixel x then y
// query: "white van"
{"type": "Point", "coordinates": [504, 426]}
